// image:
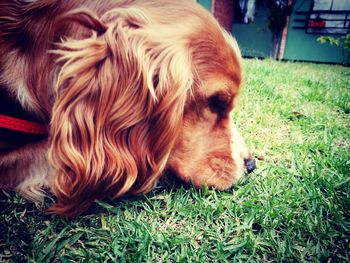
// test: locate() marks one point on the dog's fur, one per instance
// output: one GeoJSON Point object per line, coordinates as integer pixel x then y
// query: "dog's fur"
{"type": "Point", "coordinates": [129, 89]}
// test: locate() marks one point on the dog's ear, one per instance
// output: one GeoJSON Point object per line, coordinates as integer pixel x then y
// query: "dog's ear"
{"type": "Point", "coordinates": [118, 107]}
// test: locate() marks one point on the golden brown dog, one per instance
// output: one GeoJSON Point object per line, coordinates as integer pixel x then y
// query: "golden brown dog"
{"type": "Point", "coordinates": [128, 89]}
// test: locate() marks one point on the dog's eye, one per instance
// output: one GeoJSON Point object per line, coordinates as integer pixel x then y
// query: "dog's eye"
{"type": "Point", "coordinates": [219, 103]}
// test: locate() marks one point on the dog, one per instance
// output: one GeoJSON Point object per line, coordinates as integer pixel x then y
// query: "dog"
{"type": "Point", "coordinates": [123, 91]}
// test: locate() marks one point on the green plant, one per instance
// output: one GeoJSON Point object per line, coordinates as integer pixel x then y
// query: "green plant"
{"type": "Point", "coordinates": [343, 42]}
{"type": "Point", "coordinates": [277, 19]}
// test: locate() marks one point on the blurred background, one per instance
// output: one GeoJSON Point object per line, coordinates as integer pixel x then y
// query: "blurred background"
{"type": "Point", "coordinates": [301, 30]}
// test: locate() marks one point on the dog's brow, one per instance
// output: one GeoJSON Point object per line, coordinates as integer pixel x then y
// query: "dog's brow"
{"type": "Point", "coordinates": [225, 94]}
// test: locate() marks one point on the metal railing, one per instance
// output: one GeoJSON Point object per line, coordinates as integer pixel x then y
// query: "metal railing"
{"type": "Point", "coordinates": [316, 21]}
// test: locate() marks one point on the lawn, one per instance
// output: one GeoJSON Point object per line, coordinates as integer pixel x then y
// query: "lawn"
{"type": "Point", "coordinates": [294, 207]}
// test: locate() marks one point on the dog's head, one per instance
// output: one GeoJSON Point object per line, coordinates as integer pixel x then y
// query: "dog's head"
{"type": "Point", "coordinates": [152, 88]}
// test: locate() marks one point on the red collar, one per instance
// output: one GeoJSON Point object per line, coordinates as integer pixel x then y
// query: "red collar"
{"type": "Point", "coordinates": [18, 127]}
{"type": "Point", "coordinates": [21, 125]}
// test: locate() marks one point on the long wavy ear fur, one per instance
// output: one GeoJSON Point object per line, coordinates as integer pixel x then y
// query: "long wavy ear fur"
{"type": "Point", "coordinates": [119, 102]}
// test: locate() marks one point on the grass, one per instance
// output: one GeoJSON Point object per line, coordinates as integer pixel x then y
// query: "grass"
{"type": "Point", "coordinates": [294, 208]}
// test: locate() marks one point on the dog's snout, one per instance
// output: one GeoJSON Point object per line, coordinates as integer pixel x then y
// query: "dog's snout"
{"type": "Point", "coordinates": [250, 165]}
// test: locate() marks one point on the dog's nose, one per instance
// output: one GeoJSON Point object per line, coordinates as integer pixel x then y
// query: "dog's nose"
{"type": "Point", "coordinates": [249, 165]}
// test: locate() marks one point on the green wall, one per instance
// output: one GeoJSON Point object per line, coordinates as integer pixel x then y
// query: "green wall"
{"type": "Point", "coordinates": [255, 39]}
{"type": "Point", "coordinates": [205, 3]}
{"type": "Point", "coordinates": [303, 46]}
